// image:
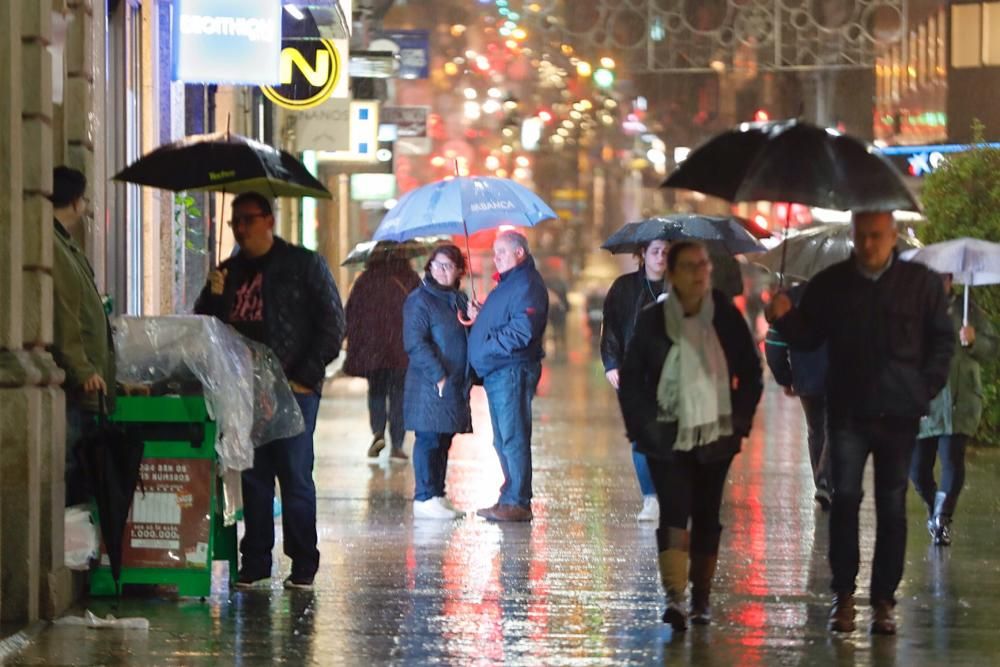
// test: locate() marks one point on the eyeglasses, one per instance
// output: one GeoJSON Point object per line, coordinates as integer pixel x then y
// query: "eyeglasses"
{"type": "Point", "coordinates": [245, 219]}
{"type": "Point", "coordinates": [443, 266]}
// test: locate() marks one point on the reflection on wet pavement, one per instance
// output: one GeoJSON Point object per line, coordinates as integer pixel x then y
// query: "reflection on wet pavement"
{"type": "Point", "coordinates": [578, 586]}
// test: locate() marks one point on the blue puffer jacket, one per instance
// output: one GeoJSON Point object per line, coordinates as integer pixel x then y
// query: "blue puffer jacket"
{"type": "Point", "coordinates": [436, 343]}
{"type": "Point", "coordinates": [510, 328]}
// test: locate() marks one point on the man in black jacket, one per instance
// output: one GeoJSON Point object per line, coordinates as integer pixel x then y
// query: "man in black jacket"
{"type": "Point", "coordinates": [284, 297]}
{"type": "Point", "coordinates": [890, 343]}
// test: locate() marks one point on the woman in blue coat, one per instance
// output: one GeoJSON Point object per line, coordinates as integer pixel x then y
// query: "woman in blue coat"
{"type": "Point", "coordinates": [436, 394]}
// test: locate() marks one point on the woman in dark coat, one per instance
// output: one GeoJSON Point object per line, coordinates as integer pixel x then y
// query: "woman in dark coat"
{"type": "Point", "coordinates": [628, 295]}
{"type": "Point", "coordinates": [690, 385]}
{"type": "Point", "coordinates": [436, 398]}
{"type": "Point", "coordinates": [375, 346]}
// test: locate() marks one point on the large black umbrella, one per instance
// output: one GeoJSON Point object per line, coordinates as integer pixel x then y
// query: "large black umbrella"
{"type": "Point", "coordinates": [727, 234]}
{"type": "Point", "coordinates": [794, 161]}
{"type": "Point", "coordinates": [223, 162]}
{"type": "Point", "coordinates": [815, 248]}
{"type": "Point", "coordinates": [111, 458]}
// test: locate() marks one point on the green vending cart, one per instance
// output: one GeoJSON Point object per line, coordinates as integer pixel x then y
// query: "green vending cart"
{"type": "Point", "coordinates": [175, 529]}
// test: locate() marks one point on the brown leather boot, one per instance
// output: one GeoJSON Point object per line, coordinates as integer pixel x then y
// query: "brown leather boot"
{"type": "Point", "coordinates": [702, 571]}
{"type": "Point", "coordinates": [883, 622]}
{"type": "Point", "coordinates": [842, 613]}
{"type": "Point", "coordinates": [673, 561]}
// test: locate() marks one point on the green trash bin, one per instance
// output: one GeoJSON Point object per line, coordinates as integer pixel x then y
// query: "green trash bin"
{"type": "Point", "coordinates": [175, 529]}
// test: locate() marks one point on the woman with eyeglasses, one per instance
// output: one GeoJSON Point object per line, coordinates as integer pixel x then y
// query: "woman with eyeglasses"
{"type": "Point", "coordinates": [689, 387]}
{"type": "Point", "coordinates": [436, 395]}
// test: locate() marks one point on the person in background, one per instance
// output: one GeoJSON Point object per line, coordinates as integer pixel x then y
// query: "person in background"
{"type": "Point", "coordinates": [82, 343]}
{"type": "Point", "coordinates": [375, 346]}
{"type": "Point", "coordinates": [436, 394]}
{"type": "Point", "coordinates": [282, 296]}
{"type": "Point", "coordinates": [953, 419]}
{"type": "Point", "coordinates": [628, 295]}
{"type": "Point", "coordinates": [802, 375]}
{"type": "Point", "coordinates": [689, 387]}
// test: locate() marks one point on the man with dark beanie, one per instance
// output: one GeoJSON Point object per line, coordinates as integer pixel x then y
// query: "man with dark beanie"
{"type": "Point", "coordinates": [81, 342]}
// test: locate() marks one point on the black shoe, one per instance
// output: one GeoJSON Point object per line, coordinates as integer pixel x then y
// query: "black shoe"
{"type": "Point", "coordinates": [942, 532]}
{"type": "Point", "coordinates": [378, 444]}
{"type": "Point", "coordinates": [675, 617]}
{"type": "Point", "coordinates": [293, 582]}
{"type": "Point", "coordinates": [251, 580]}
{"type": "Point", "coordinates": [823, 499]}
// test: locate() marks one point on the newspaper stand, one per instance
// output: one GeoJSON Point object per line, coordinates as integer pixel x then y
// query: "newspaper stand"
{"type": "Point", "coordinates": [175, 529]}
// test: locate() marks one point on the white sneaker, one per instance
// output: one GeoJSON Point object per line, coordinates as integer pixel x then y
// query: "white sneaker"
{"type": "Point", "coordinates": [431, 509]}
{"type": "Point", "coordinates": [650, 509]}
{"type": "Point", "coordinates": [447, 503]}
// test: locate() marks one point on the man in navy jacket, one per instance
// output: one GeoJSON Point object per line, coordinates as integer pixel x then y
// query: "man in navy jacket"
{"type": "Point", "coordinates": [505, 350]}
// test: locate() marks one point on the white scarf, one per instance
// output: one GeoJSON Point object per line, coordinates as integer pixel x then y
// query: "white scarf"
{"type": "Point", "coordinates": [694, 384]}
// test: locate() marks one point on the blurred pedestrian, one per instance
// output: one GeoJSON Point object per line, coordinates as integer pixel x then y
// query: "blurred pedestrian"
{"type": "Point", "coordinates": [890, 343]}
{"type": "Point", "coordinates": [505, 350]}
{"type": "Point", "coordinates": [375, 346]}
{"type": "Point", "coordinates": [802, 374]}
{"type": "Point", "coordinates": [436, 397]}
{"type": "Point", "coordinates": [282, 296]}
{"type": "Point", "coordinates": [628, 295]}
{"type": "Point", "coordinates": [953, 419]}
{"type": "Point", "coordinates": [689, 386]}
{"type": "Point", "coordinates": [82, 344]}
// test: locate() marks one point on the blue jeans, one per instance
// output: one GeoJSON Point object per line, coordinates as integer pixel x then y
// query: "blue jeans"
{"type": "Point", "coordinates": [951, 450]}
{"type": "Point", "coordinates": [430, 463]}
{"type": "Point", "coordinates": [890, 442]}
{"type": "Point", "coordinates": [509, 392]}
{"type": "Point", "coordinates": [290, 460]}
{"type": "Point", "coordinates": [642, 472]}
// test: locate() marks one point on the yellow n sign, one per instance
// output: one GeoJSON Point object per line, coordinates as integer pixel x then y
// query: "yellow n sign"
{"type": "Point", "coordinates": [319, 67]}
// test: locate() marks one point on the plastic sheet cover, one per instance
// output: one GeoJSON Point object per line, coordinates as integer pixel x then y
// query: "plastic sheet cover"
{"type": "Point", "coordinates": [245, 390]}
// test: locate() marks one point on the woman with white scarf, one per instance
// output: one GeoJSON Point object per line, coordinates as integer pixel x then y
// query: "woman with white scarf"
{"type": "Point", "coordinates": [690, 384]}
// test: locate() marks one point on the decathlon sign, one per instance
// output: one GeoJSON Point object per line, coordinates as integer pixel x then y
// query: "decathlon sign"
{"type": "Point", "coordinates": [309, 72]}
{"type": "Point", "coordinates": [226, 41]}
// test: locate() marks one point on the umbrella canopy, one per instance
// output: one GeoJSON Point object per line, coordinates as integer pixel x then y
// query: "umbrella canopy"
{"type": "Point", "coordinates": [719, 233]}
{"type": "Point", "coordinates": [462, 205]}
{"type": "Point", "coordinates": [111, 457]}
{"type": "Point", "coordinates": [793, 161]}
{"type": "Point", "coordinates": [223, 162]}
{"type": "Point", "coordinates": [815, 248]}
{"type": "Point", "coordinates": [381, 251]}
{"type": "Point", "coordinates": [969, 261]}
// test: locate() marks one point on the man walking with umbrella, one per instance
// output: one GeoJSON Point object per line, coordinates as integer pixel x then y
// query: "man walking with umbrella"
{"type": "Point", "coordinates": [505, 350]}
{"type": "Point", "coordinates": [890, 342]}
{"type": "Point", "coordinates": [284, 297]}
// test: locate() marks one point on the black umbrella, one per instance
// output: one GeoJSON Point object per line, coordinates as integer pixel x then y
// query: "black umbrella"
{"type": "Point", "coordinates": [367, 252]}
{"type": "Point", "coordinates": [815, 248]}
{"type": "Point", "coordinates": [719, 233]}
{"type": "Point", "coordinates": [223, 162]}
{"type": "Point", "coordinates": [111, 457]}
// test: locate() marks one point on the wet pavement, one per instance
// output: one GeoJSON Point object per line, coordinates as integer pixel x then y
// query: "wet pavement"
{"type": "Point", "coordinates": [579, 585]}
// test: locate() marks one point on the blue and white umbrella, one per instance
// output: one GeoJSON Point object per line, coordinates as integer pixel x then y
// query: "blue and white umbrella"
{"type": "Point", "coordinates": [462, 205]}
{"type": "Point", "coordinates": [969, 261]}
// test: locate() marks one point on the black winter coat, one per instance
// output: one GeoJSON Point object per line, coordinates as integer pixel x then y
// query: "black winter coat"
{"type": "Point", "coordinates": [644, 359]}
{"type": "Point", "coordinates": [437, 344]}
{"type": "Point", "coordinates": [890, 340]}
{"type": "Point", "coordinates": [628, 295]}
{"type": "Point", "coordinates": [303, 315]}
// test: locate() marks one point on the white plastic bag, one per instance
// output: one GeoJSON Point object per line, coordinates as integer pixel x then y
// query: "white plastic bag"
{"type": "Point", "coordinates": [79, 538]}
{"type": "Point", "coordinates": [90, 620]}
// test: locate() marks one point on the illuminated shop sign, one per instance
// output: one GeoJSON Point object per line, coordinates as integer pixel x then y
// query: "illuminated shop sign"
{"type": "Point", "coordinates": [226, 41]}
{"type": "Point", "coordinates": [310, 71]}
{"type": "Point", "coordinates": [918, 161]}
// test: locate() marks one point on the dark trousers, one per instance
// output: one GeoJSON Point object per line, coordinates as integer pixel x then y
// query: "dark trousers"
{"type": "Point", "coordinates": [814, 408]}
{"type": "Point", "coordinates": [509, 392]}
{"type": "Point", "coordinates": [385, 404]}
{"type": "Point", "coordinates": [690, 491]}
{"type": "Point", "coordinates": [890, 442]}
{"type": "Point", "coordinates": [78, 423]}
{"type": "Point", "coordinates": [430, 463]}
{"type": "Point", "coordinates": [951, 450]}
{"type": "Point", "coordinates": [290, 460]}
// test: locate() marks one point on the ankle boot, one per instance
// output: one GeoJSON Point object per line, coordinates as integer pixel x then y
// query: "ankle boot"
{"type": "Point", "coordinates": [702, 571]}
{"type": "Point", "coordinates": [940, 524]}
{"type": "Point", "coordinates": [673, 562]}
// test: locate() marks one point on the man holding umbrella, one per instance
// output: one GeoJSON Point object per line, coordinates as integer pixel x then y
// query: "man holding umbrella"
{"type": "Point", "coordinates": [505, 350]}
{"type": "Point", "coordinates": [890, 342]}
{"type": "Point", "coordinates": [284, 297]}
